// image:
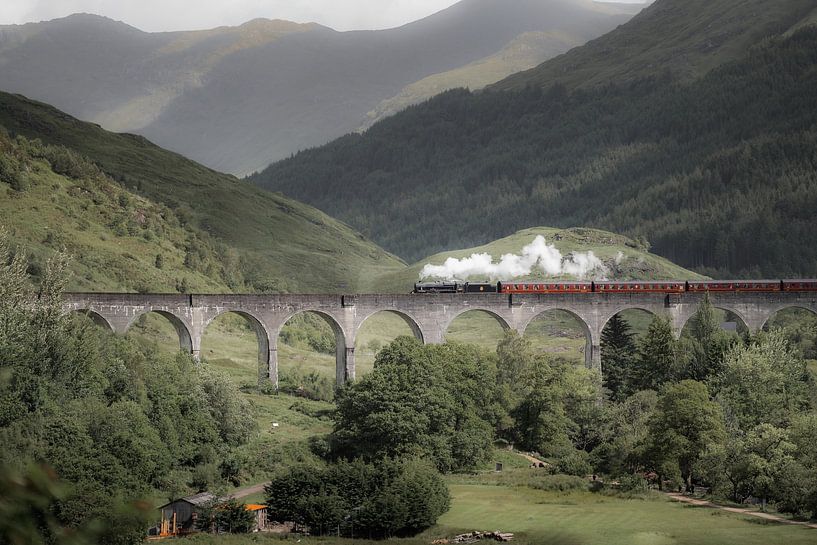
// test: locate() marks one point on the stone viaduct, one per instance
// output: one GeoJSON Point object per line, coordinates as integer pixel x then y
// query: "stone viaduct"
{"type": "Point", "coordinates": [428, 315]}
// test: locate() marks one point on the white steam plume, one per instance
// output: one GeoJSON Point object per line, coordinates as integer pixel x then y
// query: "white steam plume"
{"type": "Point", "coordinates": [536, 254]}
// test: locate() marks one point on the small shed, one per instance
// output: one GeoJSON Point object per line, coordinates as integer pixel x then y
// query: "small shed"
{"type": "Point", "coordinates": [179, 517]}
{"type": "Point", "coordinates": [260, 512]}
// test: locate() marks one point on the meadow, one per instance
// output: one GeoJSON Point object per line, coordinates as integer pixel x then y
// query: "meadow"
{"type": "Point", "coordinates": [575, 518]}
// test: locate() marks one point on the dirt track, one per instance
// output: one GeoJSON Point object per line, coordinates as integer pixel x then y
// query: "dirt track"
{"type": "Point", "coordinates": [767, 516]}
{"type": "Point", "coordinates": [248, 491]}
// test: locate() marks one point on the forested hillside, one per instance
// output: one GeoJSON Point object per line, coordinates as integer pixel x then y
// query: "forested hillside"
{"type": "Point", "coordinates": [718, 172]}
{"type": "Point", "coordinates": [117, 202]}
{"type": "Point", "coordinates": [686, 39]}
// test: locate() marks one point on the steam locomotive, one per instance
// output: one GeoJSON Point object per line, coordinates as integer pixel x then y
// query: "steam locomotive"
{"type": "Point", "coordinates": [656, 286]}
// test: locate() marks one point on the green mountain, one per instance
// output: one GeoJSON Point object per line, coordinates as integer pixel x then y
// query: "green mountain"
{"type": "Point", "coordinates": [116, 202]}
{"type": "Point", "coordinates": [623, 258]}
{"type": "Point", "coordinates": [237, 98]}
{"type": "Point", "coordinates": [715, 166]}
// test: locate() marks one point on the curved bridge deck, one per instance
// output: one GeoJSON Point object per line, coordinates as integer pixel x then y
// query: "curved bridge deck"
{"type": "Point", "coordinates": [428, 315]}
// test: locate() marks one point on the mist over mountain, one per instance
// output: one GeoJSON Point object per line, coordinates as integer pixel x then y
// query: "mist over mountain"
{"type": "Point", "coordinates": [693, 126]}
{"type": "Point", "coordinates": [238, 98]}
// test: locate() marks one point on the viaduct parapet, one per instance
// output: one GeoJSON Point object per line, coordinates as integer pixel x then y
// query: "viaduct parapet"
{"type": "Point", "coordinates": [428, 315]}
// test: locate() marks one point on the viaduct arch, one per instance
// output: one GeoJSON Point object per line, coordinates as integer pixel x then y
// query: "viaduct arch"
{"type": "Point", "coordinates": [428, 315]}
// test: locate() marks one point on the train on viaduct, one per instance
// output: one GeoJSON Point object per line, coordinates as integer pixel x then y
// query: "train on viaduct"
{"type": "Point", "coordinates": [428, 315]}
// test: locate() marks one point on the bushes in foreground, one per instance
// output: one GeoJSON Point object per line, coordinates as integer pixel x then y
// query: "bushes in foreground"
{"type": "Point", "coordinates": [375, 500]}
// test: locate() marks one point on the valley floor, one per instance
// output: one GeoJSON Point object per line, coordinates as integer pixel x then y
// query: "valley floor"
{"type": "Point", "coordinates": [577, 518]}
{"type": "Point", "coordinates": [486, 501]}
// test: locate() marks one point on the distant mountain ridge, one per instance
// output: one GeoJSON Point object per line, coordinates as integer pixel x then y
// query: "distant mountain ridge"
{"type": "Point", "coordinates": [237, 98]}
{"type": "Point", "coordinates": [705, 149]}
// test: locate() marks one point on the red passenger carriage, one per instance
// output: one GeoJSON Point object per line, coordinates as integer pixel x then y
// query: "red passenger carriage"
{"type": "Point", "coordinates": [665, 286]}
{"type": "Point", "coordinates": [545, 287]}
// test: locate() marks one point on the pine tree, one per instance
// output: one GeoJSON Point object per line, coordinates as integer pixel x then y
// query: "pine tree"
{"type": "Point", "coordinates": [705, 344]}
{"type": "Point", "coordinates": [617, 353]}
{"type": "Point", "coordinates": [656, 361]}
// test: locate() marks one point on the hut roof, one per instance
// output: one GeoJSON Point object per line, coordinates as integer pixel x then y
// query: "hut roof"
{"type": "Point", "coordinates": [196, 499]}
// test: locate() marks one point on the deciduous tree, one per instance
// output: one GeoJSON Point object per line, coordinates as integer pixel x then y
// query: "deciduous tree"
{"type": "Point", "coordinates": [685, 422]}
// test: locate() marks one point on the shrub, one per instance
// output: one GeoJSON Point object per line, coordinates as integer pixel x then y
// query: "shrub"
{"type": "Point", "coordinates": [575, 463]}
{"type": "Point", "coordinates": [558, 483]}
{"type": "Point", "coordinates": [381, 499]}
{"type": "Point", "coordinates": [69, 163]}
{"type": "Point", "coordinates": [633, 483]}
{"type": "Point", "coordinates": [310, 385]}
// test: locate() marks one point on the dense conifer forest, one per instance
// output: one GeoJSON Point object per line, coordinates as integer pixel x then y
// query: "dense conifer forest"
{"type": "Point", "coordinates": [718, 174]}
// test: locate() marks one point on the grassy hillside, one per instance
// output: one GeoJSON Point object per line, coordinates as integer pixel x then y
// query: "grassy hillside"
{"type": "Point", "coordinates": [635, 262]}
{"type": "Point", "coordinates": [716, 172]}
{"type": "Point", "coordinates": [278, 244]}
{"type": "Point", "coordinates": [52, 200]}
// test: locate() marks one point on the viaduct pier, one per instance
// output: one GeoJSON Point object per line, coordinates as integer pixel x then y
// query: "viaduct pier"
{"type": "Point", "coordinates": [428, 315]}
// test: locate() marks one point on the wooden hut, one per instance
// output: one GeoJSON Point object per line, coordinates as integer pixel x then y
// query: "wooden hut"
{"type": "Point", "coordinates": [179, 517]}
{"type": "Point", "coordinates": [260, 512]}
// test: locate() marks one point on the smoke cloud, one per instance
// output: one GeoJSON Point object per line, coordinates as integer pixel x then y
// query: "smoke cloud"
{"type": "Point", "coordinates": [538, 255]}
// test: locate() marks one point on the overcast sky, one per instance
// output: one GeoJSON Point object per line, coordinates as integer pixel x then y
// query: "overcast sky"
{"type": "Point", "coordinates": [159, 15]}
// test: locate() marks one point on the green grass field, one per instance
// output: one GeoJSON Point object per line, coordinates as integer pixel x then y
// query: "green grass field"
{"type": "Point", "coordinates": [585, 518]}
{"type": "Point", "coordinates": [578, 518]}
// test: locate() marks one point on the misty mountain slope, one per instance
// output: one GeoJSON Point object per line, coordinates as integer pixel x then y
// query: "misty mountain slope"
{"type": "Point", "coordinates": [719, 173]}
{"type": "Point", "coordinates": [267, 241]}
{"type": "Point", "coordinates": [114, 74]}
{"type": "Point", "coordinates": [238, 98]}
{"type": "Point", "coordinates": [525, 51]}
